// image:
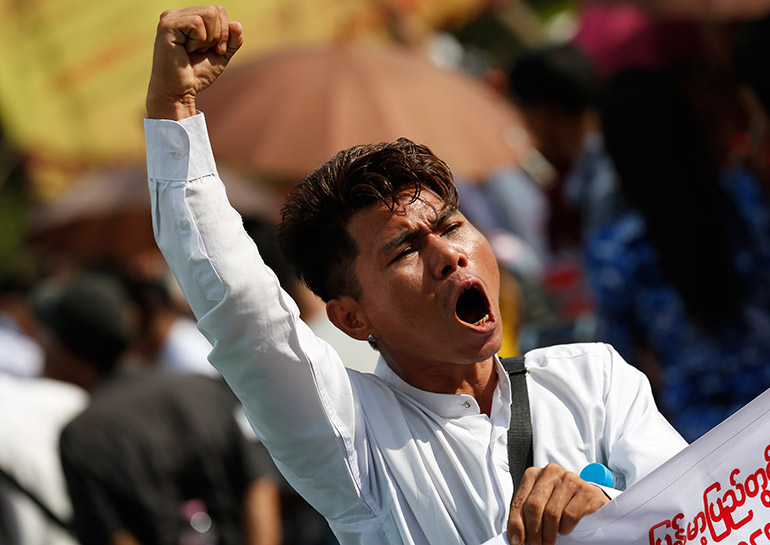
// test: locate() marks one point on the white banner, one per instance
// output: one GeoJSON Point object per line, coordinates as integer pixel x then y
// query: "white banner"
{"type": "Point", "coordinates": [717, 490]}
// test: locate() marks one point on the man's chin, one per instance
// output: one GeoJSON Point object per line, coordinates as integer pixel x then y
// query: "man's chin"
{"type": "Point", "coordinates": [484, 350]}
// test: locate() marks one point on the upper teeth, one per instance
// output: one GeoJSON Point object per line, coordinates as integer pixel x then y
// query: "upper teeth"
{"type": "Point", "coordinates": [484, 320]}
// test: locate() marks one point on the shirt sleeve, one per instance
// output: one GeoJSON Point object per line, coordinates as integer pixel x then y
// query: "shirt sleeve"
{"type": "Point", "coordinates": [638, 438]}
{"type": "Point", "coordinates": [589, 405]}
{"type": "Point", "coordinates": [293, 387]}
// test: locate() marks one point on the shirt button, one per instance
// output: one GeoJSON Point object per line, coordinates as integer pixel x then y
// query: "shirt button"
{"type": "Point", "coordinates": [467, 404]}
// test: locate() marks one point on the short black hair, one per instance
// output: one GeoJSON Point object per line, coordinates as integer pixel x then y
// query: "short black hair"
{"type": "Point", "coordinates": [87, 315]}
{"type": "Point", "coordinates": [556, 75]}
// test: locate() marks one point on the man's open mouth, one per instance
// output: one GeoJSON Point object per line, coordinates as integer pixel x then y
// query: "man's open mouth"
{"type": "Point", "coordinates": [472, 307]}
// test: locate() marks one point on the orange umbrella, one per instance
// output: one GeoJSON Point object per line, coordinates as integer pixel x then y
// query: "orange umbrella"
{"type": "Point", "coordinates": [285, 113]}
{"type": "Point", "coordinates": [106, 215]}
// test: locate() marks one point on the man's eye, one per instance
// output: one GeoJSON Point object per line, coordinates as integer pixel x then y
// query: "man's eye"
{"type": "Point", "coordinates": [403, 253]}
{"type": "Point", "coordinates": [451, 228]}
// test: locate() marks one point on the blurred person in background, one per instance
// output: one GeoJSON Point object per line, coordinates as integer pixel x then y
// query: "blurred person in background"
{"type": "Point", "coordinates": [166, 337]}
{"type": "Point", "coordinates": [750, 51]}
{"type": "Point", "coordinates": [558, 91]}
{"type": "Point", "coordinates": [169, 340]}
{"type": "Point", "coordinates": [21, 354]}
{"type": "Point", "coordinates": [35, 507]}
{"type": "Point", "coordinates": [682, 278]}
{"type": "Point", "coordinates": [155, 458]}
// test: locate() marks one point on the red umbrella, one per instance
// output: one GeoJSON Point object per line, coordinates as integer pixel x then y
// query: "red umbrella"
{"type": "Point", "coordinates": [286, 113]}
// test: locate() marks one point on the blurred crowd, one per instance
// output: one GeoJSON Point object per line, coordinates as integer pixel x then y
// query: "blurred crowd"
{"type": "Point", "coordinates": [661, 150]}
{"type": "Point", "coordinates": [640, 218]}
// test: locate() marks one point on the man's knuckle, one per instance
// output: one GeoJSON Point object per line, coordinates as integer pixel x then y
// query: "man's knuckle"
{"type": "Point", "coordinates": [533, 507]}
{"type": "Point", "coordinates": [214, 13]}
{"type": "Point", "coordinates": [572, 482]}
{"type": "Point", "coordinates": [598, 501]}
{"type": "Point", "coordinates": [571, 516]}
{"type": "Point", "coordinates": [531, 473]}
{"type": "Point", "coordinates": [552, 513]}
{"type": "Point", "coordinates": [166, 17]}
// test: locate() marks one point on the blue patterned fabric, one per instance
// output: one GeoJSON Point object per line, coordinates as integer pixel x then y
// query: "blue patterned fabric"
{"type": "Point", "coordinates": [705, 377]}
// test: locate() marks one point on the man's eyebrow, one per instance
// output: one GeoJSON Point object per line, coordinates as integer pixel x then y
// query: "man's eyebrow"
{"type": "Point", "coordinates": [403, 238]}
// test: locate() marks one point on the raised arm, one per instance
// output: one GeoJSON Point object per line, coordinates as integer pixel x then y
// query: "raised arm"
{"type": "Point", "coordinates": [192, 49]}
{"type": "Point", "coordinates": [293, 387]}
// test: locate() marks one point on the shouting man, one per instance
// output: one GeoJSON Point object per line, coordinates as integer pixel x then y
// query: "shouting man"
{"type": "Point", "coordinates": [416, 452]}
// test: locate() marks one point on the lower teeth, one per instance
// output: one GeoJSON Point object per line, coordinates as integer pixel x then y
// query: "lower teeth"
{"type": "Point", "coordinates": [484, 320]}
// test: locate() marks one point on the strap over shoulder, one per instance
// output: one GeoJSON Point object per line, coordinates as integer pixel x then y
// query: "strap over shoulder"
{"type": "Point", "coordinates": [520, 455]}
{"type": "Point", "coordinates": [514, 365]}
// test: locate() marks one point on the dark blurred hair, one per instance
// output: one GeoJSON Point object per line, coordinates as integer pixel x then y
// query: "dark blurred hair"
{"type": "Point", "coordinates": [561, 76]}
{"type": "Point", "coordinates": [263, 234]}
{"type": "Point", "coordinates": [669, 170]}
{"type": "Point", "coordinates": [87, 314]}
{"type": "Point", "coordinates": [750, 54]}
{"type": "Point", "coordinates": [17, 278]}
{"type": "Point", "coordinates": [313, 232]}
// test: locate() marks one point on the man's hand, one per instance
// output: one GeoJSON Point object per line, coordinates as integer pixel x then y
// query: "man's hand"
{"type": "Point", "coordinates": [550, 501]}
{"type": "Point", "coordinates": [192, 48]}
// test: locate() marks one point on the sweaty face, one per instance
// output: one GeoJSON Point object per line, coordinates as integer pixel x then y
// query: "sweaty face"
{"type": "Point", "coordinates": [429, 283]}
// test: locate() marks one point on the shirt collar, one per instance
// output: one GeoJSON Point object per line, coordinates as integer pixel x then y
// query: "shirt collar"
{"type": "Point", "coordinates": [448, 405]}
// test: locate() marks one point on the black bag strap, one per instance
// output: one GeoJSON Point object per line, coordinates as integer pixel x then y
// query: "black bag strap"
{"type": "Point", "coordinates": [50, 515]}
{"type": "Point", "coordinates": [520, 431]}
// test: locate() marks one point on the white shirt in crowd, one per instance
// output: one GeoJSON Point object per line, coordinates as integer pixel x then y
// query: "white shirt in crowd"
{"type": "Point", "coordinates": [21, 356]}
{"type": "Point", "coordinates": [33, 412]}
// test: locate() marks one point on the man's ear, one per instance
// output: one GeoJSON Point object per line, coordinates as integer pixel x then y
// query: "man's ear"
{"type": "Point", "coordinates": [348, 316]}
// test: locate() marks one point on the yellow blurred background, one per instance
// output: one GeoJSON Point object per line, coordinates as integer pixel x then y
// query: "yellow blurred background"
{"type": "Point", "coordinates": [73, 73]}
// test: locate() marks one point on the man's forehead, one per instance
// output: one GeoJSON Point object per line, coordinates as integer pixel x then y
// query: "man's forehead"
{"type": "Point", "coordinates": [380, 222]}
{"type": "Point", "coordinates": [408, 202]}
{"type": "Point", "coordinates": [423, 208]}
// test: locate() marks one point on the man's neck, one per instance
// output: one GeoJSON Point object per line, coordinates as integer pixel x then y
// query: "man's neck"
{"type": "Point", "coordinates": [477, 380]}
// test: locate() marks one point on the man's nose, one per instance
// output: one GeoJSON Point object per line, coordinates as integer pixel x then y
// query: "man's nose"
{"type": "Point", "coordinates": [446, 257]}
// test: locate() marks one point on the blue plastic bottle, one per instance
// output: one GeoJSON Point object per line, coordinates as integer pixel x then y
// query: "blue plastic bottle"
{"type": "Point", "coordinates": [598, 474]}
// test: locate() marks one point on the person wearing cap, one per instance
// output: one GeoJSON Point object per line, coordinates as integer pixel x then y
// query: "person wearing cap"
{"type": "Point", "coordinates": [414, 453]}
{"type": "Point", "coordinates": [150, 446]}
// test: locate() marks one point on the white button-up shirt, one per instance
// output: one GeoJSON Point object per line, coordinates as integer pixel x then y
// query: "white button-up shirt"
{"type": "Point", "coordinates": [383, 461]}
